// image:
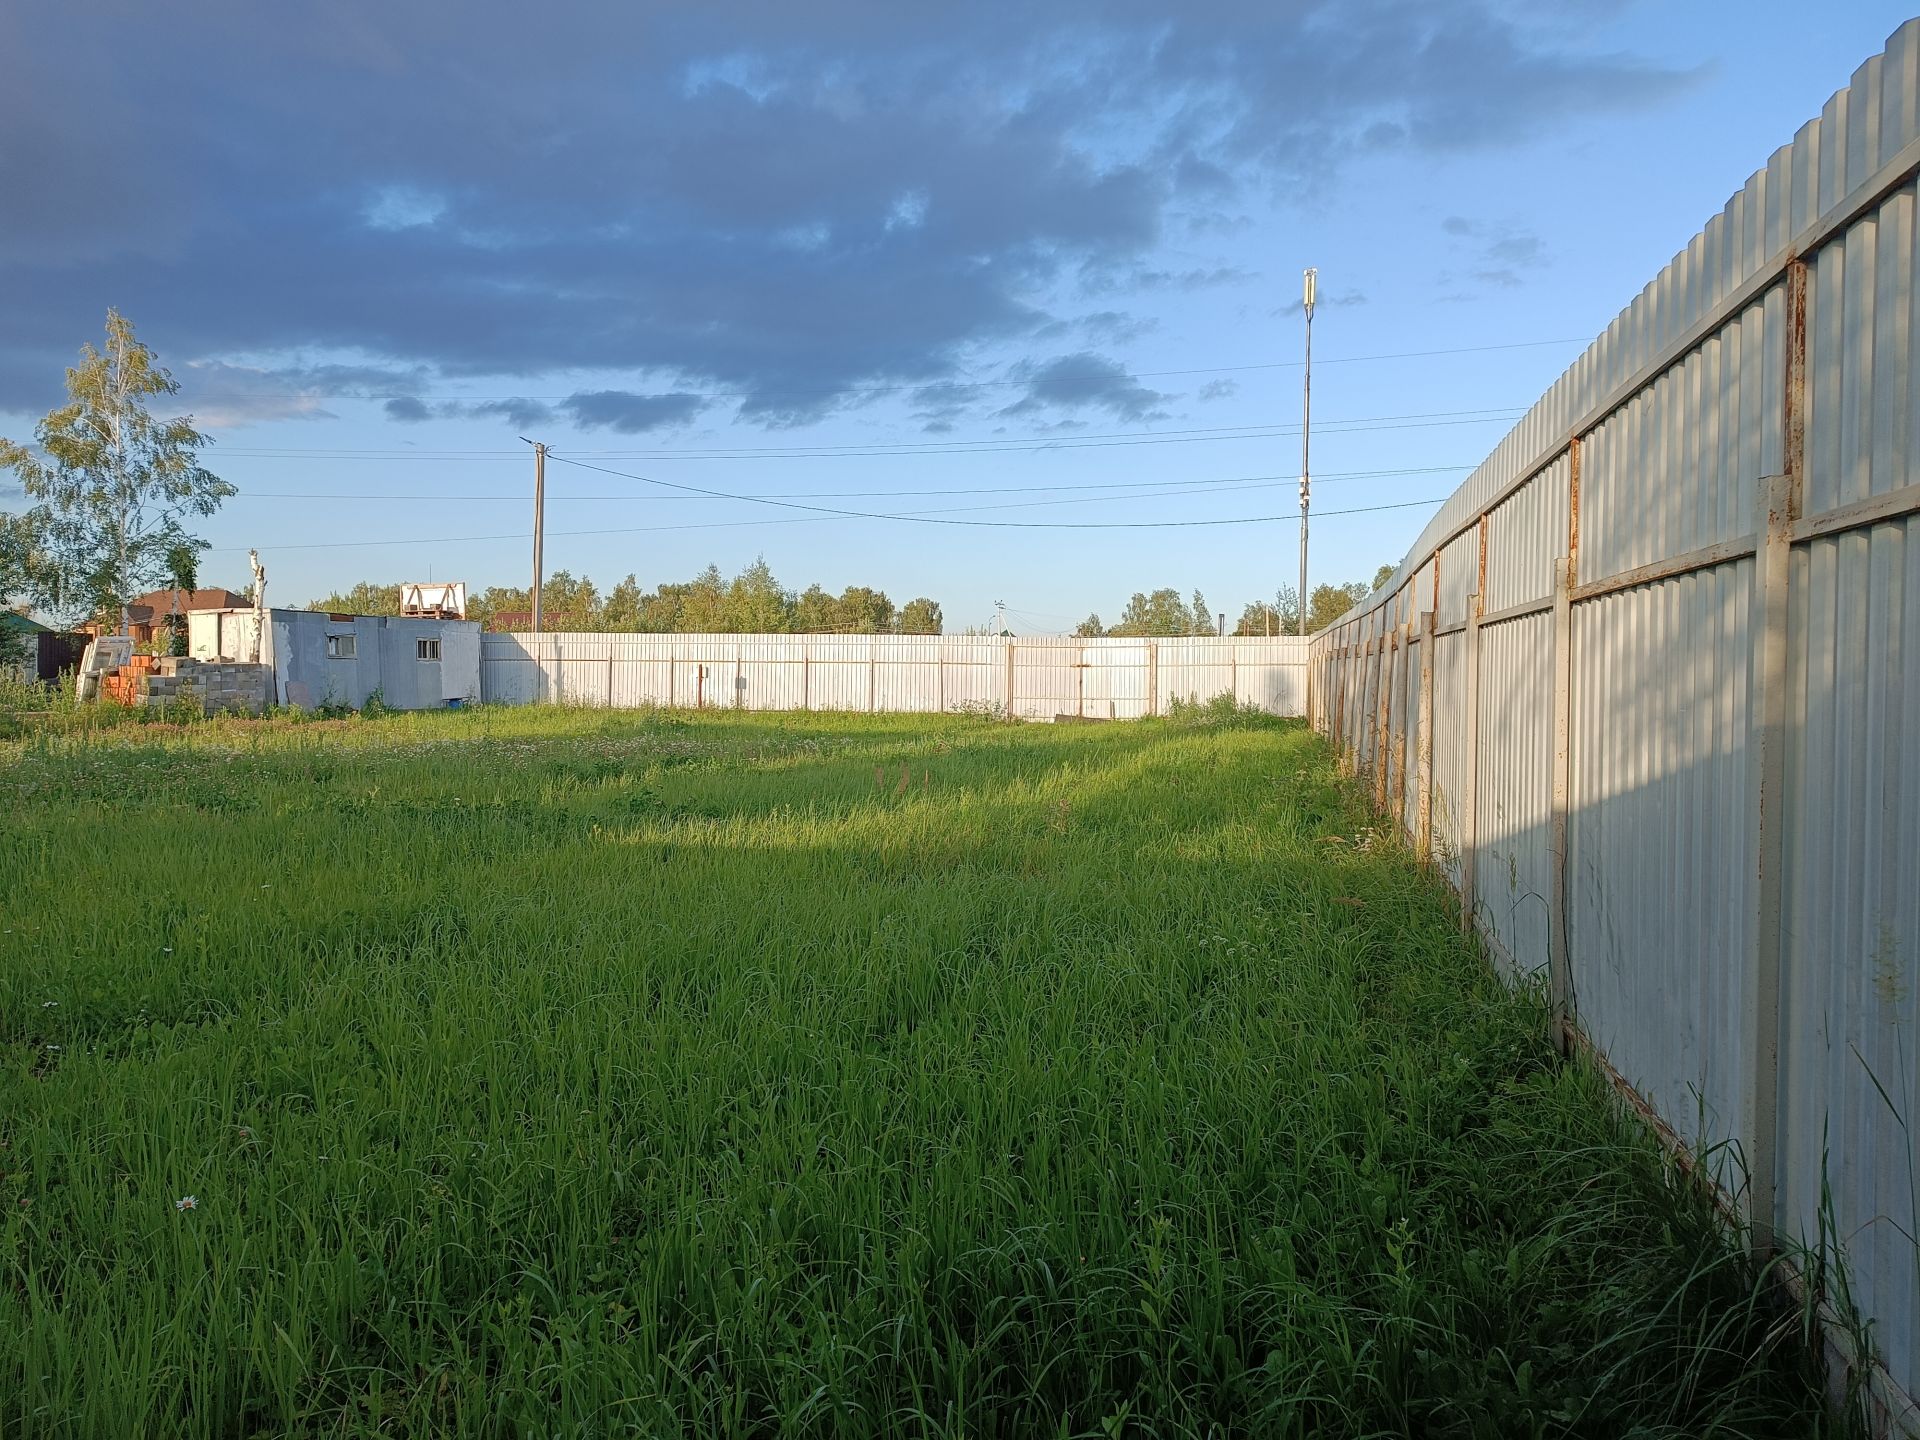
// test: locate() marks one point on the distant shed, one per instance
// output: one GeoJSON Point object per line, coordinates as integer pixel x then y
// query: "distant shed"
{"type": "Point", "coordinates": [322, 659]}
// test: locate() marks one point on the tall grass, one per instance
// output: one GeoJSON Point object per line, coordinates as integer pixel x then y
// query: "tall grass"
{"type": "Point", "coordinates": [571, 1073]}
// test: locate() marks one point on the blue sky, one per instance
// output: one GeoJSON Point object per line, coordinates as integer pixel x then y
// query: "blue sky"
{"type": "Point", "coordinates": [984, 249]}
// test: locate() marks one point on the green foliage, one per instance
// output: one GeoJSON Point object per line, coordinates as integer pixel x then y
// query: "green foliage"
{"type": "Point", "coordinates": [1163, 612]}
{"type": "Point", "coordinates": [1222, 712]}
{"type": "Point", "coordinates": [920, 616]}
{"type": "Point", "coordinates": [183, 573]}
{"type": "Point", "coordinates": [570, 1072]}
{"type": "Point", "coordinates": [366, 598]}
{"type": "Point", "coordinates": [114, 484]}
{"type": "Point", "coordinates": [751, 603]}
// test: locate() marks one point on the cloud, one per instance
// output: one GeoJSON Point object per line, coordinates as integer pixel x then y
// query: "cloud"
{"type": "Point", "coordinates": [520, 414]}
{"type": "Point", "coordinates": [1494, 255]}
{"type": "Point", "coordinates": [219, 394]}
{"type": "Point", "coordinates": [1101, 327]}
{"type": "Point", "coordinates": [939, 406]}
{"type": "Point", "coordinates": [630, 414]}
{"type": "Point", "coordinates": [791, 204]}
{"type": "Point", "coordinates": [1219, 390]}
{"type": "Point", "coordinates": [1085, 382]}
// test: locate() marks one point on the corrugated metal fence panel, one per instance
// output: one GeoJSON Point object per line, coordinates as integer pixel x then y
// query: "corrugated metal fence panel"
{"type": "Point", "coordinates": [1278, 689]}
{"type": "Point", "coordinates": [1660, 860]}
{"type": "Point", "coordinates": [840, 673]}
{"type": "Point", "coordinates": [1862, 399]}
{"type": "Point", "coordinates": [1051, 675]}
{"type": "Point", "coordinates": [1516, 740]}
{"type": "Point", "coordinates": [973, 672]}
{"type": "Point", "coordinates": [1459, 576]}
{"type": "Point", "coordinates": [1523, 537]}
{"type": "Point", "coordinates": [1677, 468]}
{"type": "Point", "coordinates": [1195, 669]}
{"type": "Point", "coordinates": [907, 676]}
{"type": "Point", "coordinates": [1850, 1002]}
{"type": "Point", "coordinates": [1116, 680]}
{"type": "Point", "coordinates": [1046, 678]}
{"type": "Point", "coordinates": [1679, 423]}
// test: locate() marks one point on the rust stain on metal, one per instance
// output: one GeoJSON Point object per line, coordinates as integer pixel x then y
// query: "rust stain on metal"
{"type": "Point", "coordinates": [1793, 433]}
{"type": "Point", "coordinates": [1480, 595]}
{"type": "Point", "coordinates": [1573, 509]}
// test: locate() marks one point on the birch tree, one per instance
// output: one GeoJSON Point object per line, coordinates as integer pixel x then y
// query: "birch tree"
{"type": "Point", "coordinates": [114, 484]}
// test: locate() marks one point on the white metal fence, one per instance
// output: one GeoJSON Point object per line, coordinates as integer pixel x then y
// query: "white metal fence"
{"type": "Point", "coordinates": [1648, 686]}
{"type": "Point", "coordinates": [1031, 677]}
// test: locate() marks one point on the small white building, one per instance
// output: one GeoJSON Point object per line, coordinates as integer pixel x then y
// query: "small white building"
{"type": "Point", "coordinates": [321, 659]}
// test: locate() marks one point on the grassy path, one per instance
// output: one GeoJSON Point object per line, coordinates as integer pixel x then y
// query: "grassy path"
{"type": "Point", "coordinates": [570, 1074]}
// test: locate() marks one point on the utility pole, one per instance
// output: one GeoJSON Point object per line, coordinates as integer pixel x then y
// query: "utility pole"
{"type": "Point", "coordinates": [1308, 282]}
{"type": "Point", "coordinates": [539, 521]}
{"type": "Point", "coordinates": [999, 617]}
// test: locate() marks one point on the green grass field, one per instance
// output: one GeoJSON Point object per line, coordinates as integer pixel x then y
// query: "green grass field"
{"type": "Point", "coordinates": [563, 1073]}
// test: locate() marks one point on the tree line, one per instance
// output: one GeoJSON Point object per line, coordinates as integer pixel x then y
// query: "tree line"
{"type": "Point", "coordinates": [1163, 612]}
{"type": "Point", "coordinates": [751, 603]}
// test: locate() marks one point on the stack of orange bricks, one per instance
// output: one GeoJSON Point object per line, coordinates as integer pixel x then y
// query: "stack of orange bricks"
{"type": "Point", "coordinates": [122, 686]}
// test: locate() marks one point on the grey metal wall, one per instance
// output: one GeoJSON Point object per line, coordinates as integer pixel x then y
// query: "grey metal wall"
{"type": "Point", "coordinates": [1033, 677]}
{"type": "Point", "coordinates": [1669, 756]}
{"type": "Point", "coordinates": [386, 659]}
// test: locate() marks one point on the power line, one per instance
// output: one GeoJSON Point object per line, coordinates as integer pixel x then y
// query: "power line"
{"type": "Point", "coordinates": [876, 494]}
{"type": "Point", "coordinates": [923, 519]}
{"type": "Point", "coordinates": [886, 448]}
{"type": "Point", "coordinates": [898, 386]}
{"type": "Point", "coordinates": [819, 519]}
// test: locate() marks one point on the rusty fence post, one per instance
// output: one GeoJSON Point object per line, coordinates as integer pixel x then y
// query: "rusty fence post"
{"type": "Point", "coordinates": [1403, 679]}
{"type": "Point", "coordinates": [1767, 800]}
{"type": "Point", "coordinates": [1423, 747]}
{"type": "Point", "coordinates": [1383, 727]}
{"type": "Point", "coordinates": [1771, 613]}
{"type": "Point", "coordinates": [1559, 978]}
{"type": "Point", "coordinates": [1470, 763]}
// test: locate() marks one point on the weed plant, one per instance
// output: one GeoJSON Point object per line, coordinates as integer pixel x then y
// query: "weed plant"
{"type": "Point", "coordinates": [567, 1073]}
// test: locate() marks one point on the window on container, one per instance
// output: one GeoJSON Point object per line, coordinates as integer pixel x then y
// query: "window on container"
{"type": "Point", "coordinates": [343, 647]}
{"type": "Point", "coordinates": [426, 649]}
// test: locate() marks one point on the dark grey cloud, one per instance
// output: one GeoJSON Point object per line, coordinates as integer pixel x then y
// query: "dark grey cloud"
{"type": "Point", "coordinates": [1085, 382]}
{"type": "Point", "coordinates": [520, 414]}
{"type": "Point", "coordinates": [631, 414]}
{"type": "Point", "coordinates": [785, 203]}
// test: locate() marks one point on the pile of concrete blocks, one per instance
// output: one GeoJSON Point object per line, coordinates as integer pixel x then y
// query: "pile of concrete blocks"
{"type": "Point", "coordinates": [214, 686]}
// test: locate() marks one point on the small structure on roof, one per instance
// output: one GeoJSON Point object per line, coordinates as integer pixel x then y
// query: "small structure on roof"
{"type": "Point", "coordinates": [436, 602]}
